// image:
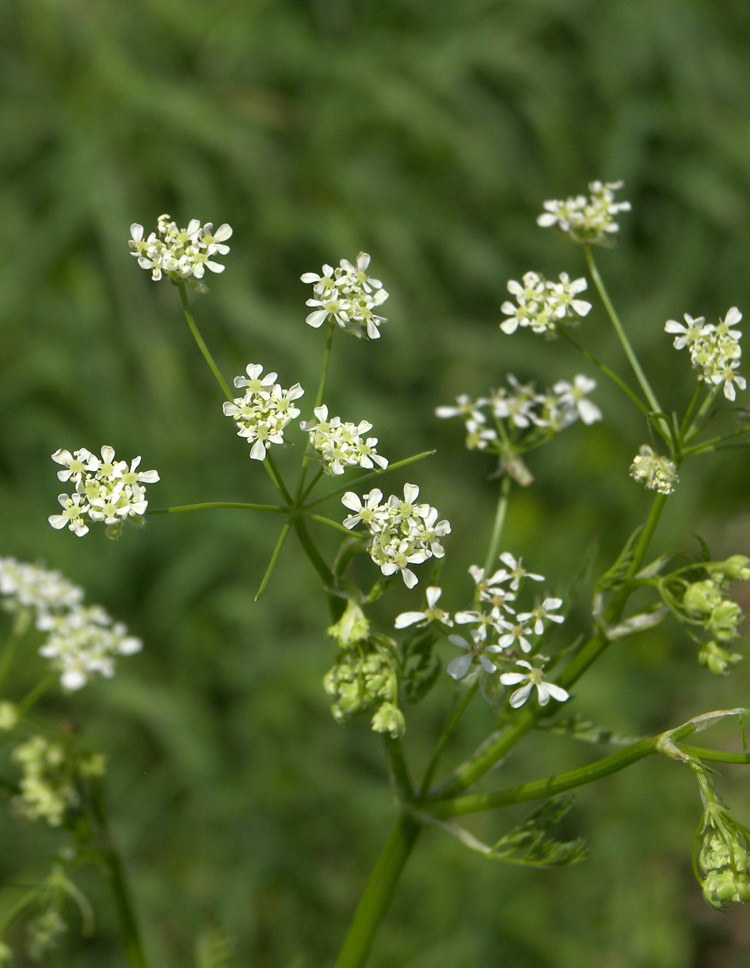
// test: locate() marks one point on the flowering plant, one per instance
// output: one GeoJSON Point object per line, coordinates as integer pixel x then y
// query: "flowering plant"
{"type": "Point", "coordinates": [506, 646]}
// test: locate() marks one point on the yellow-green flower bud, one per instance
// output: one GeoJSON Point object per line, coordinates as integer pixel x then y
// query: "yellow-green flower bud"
{"type": "Point", "coordinates": [735, 568]}
{"type": "Point", "coordinates": [389, 719]}
{"type": "Point", "coordinates": [8, 720]}
{"type": "Point", "coordinates": [701, 598]}
{"type": "Point", "coordinates": [352, 627]}
{"type": "Point", "coordinates": [725, 619]}
{"type": "Point", "coordinates": [717, 659]}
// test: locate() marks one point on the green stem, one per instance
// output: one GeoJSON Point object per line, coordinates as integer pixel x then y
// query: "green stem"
{"type": "Point", "coordinates": [497, 527]}
{"type": "Point", "coordinates": [274, 558]}
{"type": "Point", "coordinates": [328, 522]}
{"type": "Point", "coordinates": [478, 802]}
{"type": "Point", "coordinates": [698, 423]}
{"type": "Point", "coordinates": [118, 884]}
{"type": "Point", "coordinates": [368, 477]}
{"type": "Point", "coordinates": [212, 505]}
{"type": "Point", "coordinates": [633, 359]}
{"type": "Point", "coordinates": [610, 374]}
{"type": "Point", "coordinates": [398, 768]}
{"type": "Point", "coordinates": [457, 711]}
{"type": "Point", "coordinates": [378, 893]}
{"type": "Point", "coordinates": [301, 493]}
{"type": "Point", "coordinates": [715, 443]}
{"type": "Point", "coordinates": [202, 345]}
{"type": "Point", "coordinates": [690, 413]}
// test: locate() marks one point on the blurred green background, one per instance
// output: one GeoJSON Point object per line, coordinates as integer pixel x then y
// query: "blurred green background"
{"type": "Point", "coordinates": [428, 134]}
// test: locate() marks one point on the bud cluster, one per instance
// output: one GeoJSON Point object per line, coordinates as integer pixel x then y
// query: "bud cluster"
{"type": "Point", "coordinates": [364, 675]}
{"type": "Point", "coordinates": [80, 640]}
{"type": "Point", "coordinates": [698, 596]}
{"type": "Point", "coordinates": [341, 445]}
{"type": "Point", "coordinates": [48, 781]}
{"type": "Point", "coordinates": [264, 411]}
{"type": "Point", "coordinates": [714, 350]}
{"type": "Point", "coordinates": [657, 473]}
{"type": "Point", "coordinates": [402, 533]}
{"type": "Point", "coordinates": [541, 305]}
{"type": "Point", "coordinates": [584, 219]}
{"type": "Point", "coordinates": [106, 490]}
{"type": "Point", "coordinates": [182, 255]}
{"type": "Point", "coordinates": [348, 297]}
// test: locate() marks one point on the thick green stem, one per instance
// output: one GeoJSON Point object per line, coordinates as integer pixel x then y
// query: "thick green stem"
{"type": "Point", "coordinates": [632, 358]}
{"type": "Point", "coordinates": [478, 802]}
{"type": "Point", "coordinates": [379, 892]}
{"type": "Point", "coordinates": [119, 885]}
{"type": "Point", "coordinates": [202, 346]}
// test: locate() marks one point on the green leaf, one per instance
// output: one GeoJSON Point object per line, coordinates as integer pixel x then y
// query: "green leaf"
{"type": "Point", "coordinates": [532, 842]}
{"type": "Point", "coordinates": [421, 668]}
{"type": "Point", "coordinates": [616, 576]}
{"type": "Point", "coordinates": [580, 728]}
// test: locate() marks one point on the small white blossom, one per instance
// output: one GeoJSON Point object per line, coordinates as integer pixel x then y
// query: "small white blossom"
{"type": "Point", "coordinates": [264, 411]}
{"type": "Point", "coordinates": [430, 614]}
{"type": "Point", "coordinates": [531, 677]}
{"type": "Point", "coordinates": [402, 531]}
{"type": "Point", "coordinates": [714, 350]}
{"type": "Point", "coordinates": [476, 651]}
{"type": "Point", "coordinates": [586, 220]}
{"type": "Point", "coordinates": [348, 297]}
{"type": "Point", "coordinates": [657, 473]}
{"type": "Point", "coordinates": [541, 304]}
{"type": "Point", "coordinates": [541, 614]}
{"type": "Point", "coordinates": [341, 445]}
{"type": "Point", "coordinates": [80, 641]}
{"type": "Point", "coordinates": [574, 396]}
{"type": "Point", "coordinates": [182, 255]}
{"type": "Point", "coordinates": [517, 572]}
{"type": "Point", "coordinates": [106, 490]}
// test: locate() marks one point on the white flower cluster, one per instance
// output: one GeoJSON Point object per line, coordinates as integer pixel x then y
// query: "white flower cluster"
{"type": "Point", "coordinates": [264, 410]}
{"type": "Point", "coordinates": [402, 532]}
{"type": "Point", "coordinates": [586, 219]}
{"type": "Point", "coordinates": [347, 296]}
{"type": "Point", "coordinates": [542, 304]}
{"type": "Point", "coordinates": [340, 444]}
{"type": "Point", "coordinates": [106, 490]}
{"type": "Point", "coordinates": [523, 408]}
{"type": "Point", "coordinates": [714, 350]}
{"type": "Point", "coordinates": [497, 631]}
{"type": "Point", "coordinates": [179, 254]}
{"type": "Point", "coordinates": [657, 473]}
{"type": "Point", "coordinates": [80, 640]}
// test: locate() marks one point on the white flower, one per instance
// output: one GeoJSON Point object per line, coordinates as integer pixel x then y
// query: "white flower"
{"type": "Point", "coordinates": [516, 570]}
{"type": "Point", "coordinates": [348, 297]}
{"type": "Point", "coordinates": [531, 677]}
{"type": "Point", "coordinates": [80, 641]}
{"type": "Point", "coordinates": [402, 532]}
{"type": "Point", "coordinates": [430, 614]}
{"type": "Point", "coordinates": [264, 411]}
{"type": "Point", "coordinates": [475, 652]}
{"type": "Point", "coordinates": [586, 220]}
{"type": "Point", "coordinates": [182, 255]}
{"type": "Point", "coordinates": [542, 613]}
{"type": "Point", "coordinates": [106, 490]}
{"type": "Point", "coordinates": [514, 633]}
{"type": "Point", "coordinates": [714, 350]}
{"type": "Point", "coordinates": [341, 445]}
{"type": "Point", "coordinates": [541, 304]}
{"type": "Point", "coordinates": [573, 396]}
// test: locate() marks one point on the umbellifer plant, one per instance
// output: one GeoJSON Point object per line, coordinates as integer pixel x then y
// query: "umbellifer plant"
{"type": "Point", "coordinates": [506, 646]}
